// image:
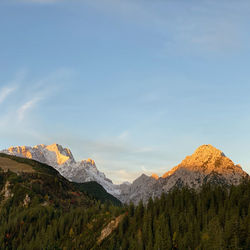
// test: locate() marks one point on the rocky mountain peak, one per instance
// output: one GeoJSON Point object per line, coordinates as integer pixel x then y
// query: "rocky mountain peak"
{"type": "Point", "coordinates": [62, 154]}
{"type": "Point", "coordinates": [89, 162]}
{"type": "Point", "coordinates": [209, 159]}
{"type": "Point", "coordinates": [20, 150]}
{"type": "Point", "coordinates": [155, 176]}
{"type": "Point", "coordinates": [53, 155]}
{"type": "Point", "coordinates": [206, 151]}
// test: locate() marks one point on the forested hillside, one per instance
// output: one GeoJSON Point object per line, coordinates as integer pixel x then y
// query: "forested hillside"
{"type": "Point", "coordinates": [95, 190]}
{"type": "Point", "coordinates": [40, 209]}
{"type": "Point", "coordinates": [215, 218]}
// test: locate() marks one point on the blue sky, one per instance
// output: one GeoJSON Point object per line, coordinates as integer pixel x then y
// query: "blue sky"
{"type": "Point", "coordinates": [135, 85]}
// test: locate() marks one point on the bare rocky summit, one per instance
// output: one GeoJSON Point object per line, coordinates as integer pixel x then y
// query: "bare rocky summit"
{"type": "Point", "coordinates": [206, 165]}
{"type": "Point", "coordinates": [208, 159]}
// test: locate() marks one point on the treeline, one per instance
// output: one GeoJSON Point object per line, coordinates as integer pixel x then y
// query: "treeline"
{"type": "Point", "coordinates": [215, 218]}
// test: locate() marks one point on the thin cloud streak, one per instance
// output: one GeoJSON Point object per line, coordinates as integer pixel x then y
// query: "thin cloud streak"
{"type": "Point", "coordinates": [5, 92]}
{"type": "Point", "coordinates": [41, 89]}
{"type": "Point", "coordinates": [19, 123]}
{"type": "Point", "coordinates": [22, 111]}
{"type": "Point", "coordinates": [124, 135]}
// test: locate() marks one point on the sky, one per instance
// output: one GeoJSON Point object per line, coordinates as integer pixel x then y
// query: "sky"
{"type": "Point", "coordinates": [136, 85]}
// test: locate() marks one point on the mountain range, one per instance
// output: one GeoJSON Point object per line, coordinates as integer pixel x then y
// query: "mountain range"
{"type": "Point", "coordinates": [40, 209]}
{"type": "Point", "coordinates": [206, 165]}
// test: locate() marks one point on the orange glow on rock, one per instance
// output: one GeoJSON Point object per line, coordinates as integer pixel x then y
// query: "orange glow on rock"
{"type": "Point", "coordinates": [61, 159]}
{"type": "Point", "coordinates": [155, 176]}
{"type": "Point", "coordinates": [91, 161]}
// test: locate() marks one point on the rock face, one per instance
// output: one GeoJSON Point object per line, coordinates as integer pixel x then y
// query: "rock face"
{"type": "Point", "coordinates": [62, 160]}
{"type": "Point", "coordinates": [207, 164]}
{"type": "Point", "coordinates": [142, 188]}
{"type": "Point", "coordinates": [110, 228]}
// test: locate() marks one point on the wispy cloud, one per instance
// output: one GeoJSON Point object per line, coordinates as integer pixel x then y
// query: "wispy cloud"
{"type": "Point", "coordinates": [124, 135]}
{"type": "Point", "coordinates": [17, 121]}
{"type": "Point", "coordinates": [5, 92]}
{"type": "Point", "coordinates": [125, 174]}
{"type": "Point", "coordinates": [22, 111]}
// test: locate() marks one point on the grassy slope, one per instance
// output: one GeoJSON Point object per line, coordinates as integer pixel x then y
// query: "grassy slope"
{"type": "Point", "coordinates": [37, 166]}
{"type": "Point", "coordinates": [8, 164]}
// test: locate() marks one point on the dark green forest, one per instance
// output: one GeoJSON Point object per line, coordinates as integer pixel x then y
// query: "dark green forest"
{"type": "Point", "coordinates": [42, 210]}
{"type": "Point", "coordinates": [95, 190]}
{"type": "Point", "coordinates": [215, 218]}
